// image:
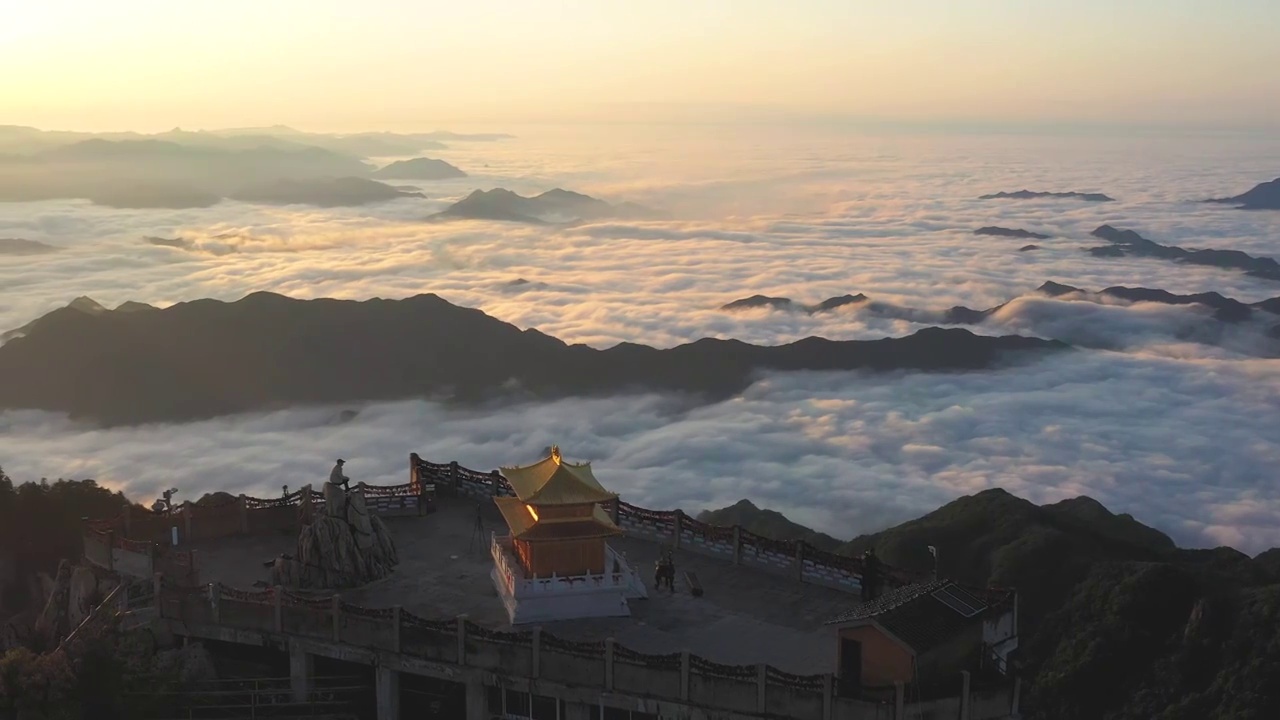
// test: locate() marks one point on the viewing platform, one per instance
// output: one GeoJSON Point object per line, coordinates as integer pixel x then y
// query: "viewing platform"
{"type": "Point", "coordinates": [747, 615]}
{"type": "Point", "coordinates": [484, 600]}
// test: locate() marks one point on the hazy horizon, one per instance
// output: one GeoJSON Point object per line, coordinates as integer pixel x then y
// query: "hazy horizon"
{"type": "Point", "coordinates": [342, 65]}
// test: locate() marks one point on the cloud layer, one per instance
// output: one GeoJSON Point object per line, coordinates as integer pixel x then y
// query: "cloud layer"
{"type": "Point", "coordinates": [1169, 417]}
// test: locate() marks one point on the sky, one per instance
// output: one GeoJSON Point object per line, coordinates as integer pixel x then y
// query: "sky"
{"type": "Point", "coordinates": [341, 65]}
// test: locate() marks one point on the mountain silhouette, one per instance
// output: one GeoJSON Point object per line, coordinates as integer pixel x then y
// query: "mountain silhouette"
{"type": "Point", "coordinates": [419, 169]}
{"type": "Point", "coordinates": [152, 173]}
{"type": "Point", "coordinates": [1030, 195]}
{"type": "Point", "coordinates": [207, 358]}
{"type": "Point", "coordinates": [552, 206]}
{"type": "Point", "coordinates": [325, 192]}
{"type": "Point", "coordinates": [1009, 232]}
{"type": "Point", "coordinates": [1264, 196]}
{"type": "Point", "coordinates": [1100, 595]}
{"type": "Point", "coordinates": [1225, 309]}
{"type": "Point", "coordinates": [1128, 242]}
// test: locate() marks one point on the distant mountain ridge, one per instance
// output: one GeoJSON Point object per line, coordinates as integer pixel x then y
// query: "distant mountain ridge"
{"type": "Point", "coordinates": [553, 206]}
{"type": "Point", "coordinates": [29, 140]}
{"type": "Point", "coordinates": [1263, 196]}
{"type": "Point", "coordinates": [324, 192]}
{"type": "Point", "coordinates": [1010, 232]}
{"type": "Point", "coordinates": [1225, 309]}
{"type": "Point", "coordinates": [206, 358]}
{"type": "Point", "coordinates": [1128, 242]}
{"type": "Point", "coordinates": [196, 170]}
{"type": "Point", "coordinates": [422, 168]}
{"type": "Point", "coordinates": [1031, 195]}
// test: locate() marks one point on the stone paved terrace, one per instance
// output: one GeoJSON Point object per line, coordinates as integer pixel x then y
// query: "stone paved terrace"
{"type": "Point", "coordinates": [746, 616]}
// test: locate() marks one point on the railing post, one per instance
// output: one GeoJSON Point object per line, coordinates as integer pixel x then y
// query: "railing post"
{"type": "Point", "coordinates": [277, 597]}
{"type": "Point", "coordinates": [396, 613]}
{"type": "Point", "coordinates": [762, 681]}
{"type": "Point", "coordinates": [536, 648]}
{"type": "Point", "coordinates": [678, 525]}
{"type": "Point", "coordinates": [462, 639]}
{"type": "Point", "coordinates": [737, 544]}
{"type": "Point", "coordinates": [899, 701]}
{"type": "Point", "coordinates": [684, 674]}
{"type": "Point", "coordinates": [800, 560]}
{"type": "Point", "coordinates": [215, 602]}
{"type": "Point", "coordinates": [243, 506]}
{"type": "Point", "coordinates": [964, 695]}
{"type": "Point", "coordinates": [1017, 695]}
{"type": "Point", "coordinates": [828, 686]}
{"type": "Point", "coordinates": [335, 613]}
{"type": "Point", "coordinates": [608, 663]}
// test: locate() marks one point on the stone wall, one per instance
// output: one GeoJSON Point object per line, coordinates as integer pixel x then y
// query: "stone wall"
{"type": "Point", "coordinates": [533, 656]}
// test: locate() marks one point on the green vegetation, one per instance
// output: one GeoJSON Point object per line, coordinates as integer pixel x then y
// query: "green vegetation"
{"type": "Point", "coordinates": [40, 524]}
{"type": "Point", "coordinates": [1116, 622]}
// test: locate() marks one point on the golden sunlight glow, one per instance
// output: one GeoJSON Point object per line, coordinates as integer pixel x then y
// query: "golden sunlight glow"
{"type": "Point", "coordinates": [341, 64]}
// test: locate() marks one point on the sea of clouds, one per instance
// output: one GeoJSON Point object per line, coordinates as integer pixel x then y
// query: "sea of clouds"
{"type": "Point", "coordinates": [1164, 412]}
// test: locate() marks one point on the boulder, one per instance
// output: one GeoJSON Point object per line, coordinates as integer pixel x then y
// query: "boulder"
{"type": "Point", "coordinates": [343, 547]}
{"type": "Point", "coordinates": [88, 590]}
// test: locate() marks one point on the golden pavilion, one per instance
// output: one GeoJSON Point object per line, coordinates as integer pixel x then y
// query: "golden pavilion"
{"type": "Point", "coordinates": [558, 527]}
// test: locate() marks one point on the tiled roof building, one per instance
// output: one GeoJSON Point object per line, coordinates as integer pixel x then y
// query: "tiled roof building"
{"type": "Point", "coordinates": [924, 630]}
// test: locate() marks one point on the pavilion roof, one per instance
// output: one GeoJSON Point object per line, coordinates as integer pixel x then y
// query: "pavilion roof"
{"type": "Point", "coordinates": [552, 481]}
{"type": "Point", "coordinates": [526, 525]}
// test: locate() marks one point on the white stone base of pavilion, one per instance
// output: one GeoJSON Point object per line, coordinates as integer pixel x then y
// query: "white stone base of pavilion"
{"type": "Point", "coordinates": [537, 600]}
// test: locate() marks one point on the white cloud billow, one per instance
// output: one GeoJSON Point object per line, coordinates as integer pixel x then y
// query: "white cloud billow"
{"type": "Point", "coordinates": [1168, 414]}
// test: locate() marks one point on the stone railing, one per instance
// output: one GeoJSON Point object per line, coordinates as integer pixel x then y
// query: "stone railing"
{"type": "Point", "coordinates": [736, 544]}
{"type": "Point", "coordinates": [245, 515]}
{"type": "Point", "coordinates": [606, 665]}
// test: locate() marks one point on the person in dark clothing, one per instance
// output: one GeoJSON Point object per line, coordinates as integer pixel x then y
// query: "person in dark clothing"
{"type": "Point", "coordinates": [871, 573]}
{"type": "Point", "coordinates": [337, 478]}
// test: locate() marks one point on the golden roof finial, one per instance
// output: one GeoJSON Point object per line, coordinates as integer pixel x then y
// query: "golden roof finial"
{"type": "Point", "coordinates": [555, 453]}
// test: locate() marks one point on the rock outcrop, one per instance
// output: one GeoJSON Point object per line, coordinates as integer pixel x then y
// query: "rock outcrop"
{"type": "Point", "coordinates": [77, 590]}
{"type": "Point", "coordinates": [343, 547]}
